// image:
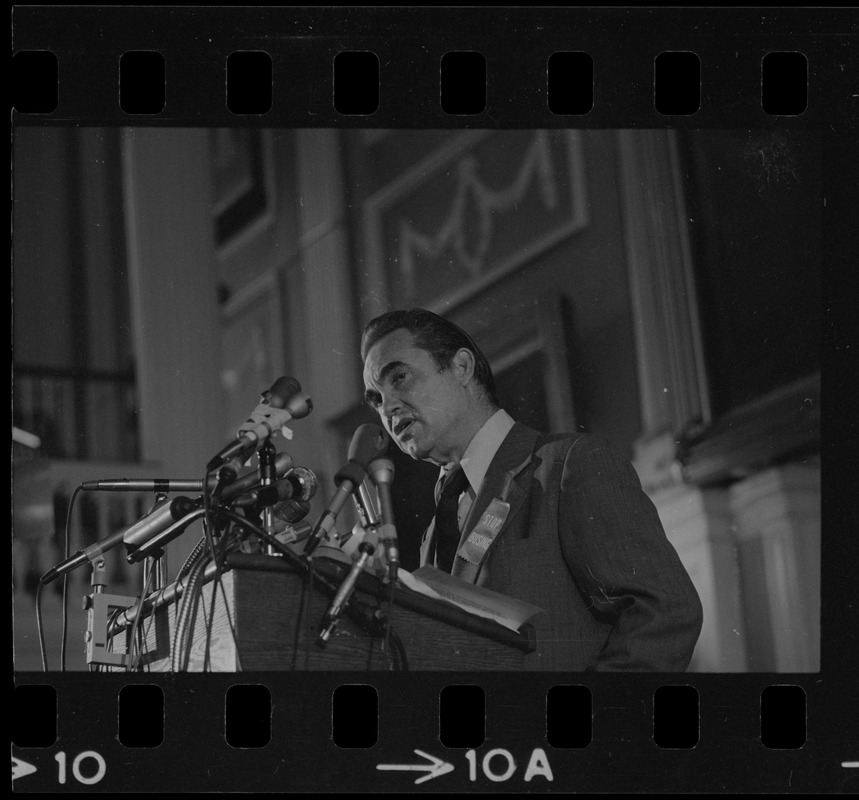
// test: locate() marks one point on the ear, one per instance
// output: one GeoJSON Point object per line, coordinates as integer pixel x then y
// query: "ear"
{"type": "Point", "coordinates": [463, 363]}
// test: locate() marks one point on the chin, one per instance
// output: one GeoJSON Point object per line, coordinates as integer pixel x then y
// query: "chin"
{"type": "Point", "coordinates": [413, 452]}
{"type": "Point", "coordinates": [411, 449]}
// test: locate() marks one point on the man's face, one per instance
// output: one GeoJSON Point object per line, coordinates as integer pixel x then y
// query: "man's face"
{"type": "Point", "coordinates": [422, 407]}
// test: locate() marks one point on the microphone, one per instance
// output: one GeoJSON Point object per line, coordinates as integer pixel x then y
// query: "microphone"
{"type": "Point", "coordinates": [154, 544]}
{"type": "Point", "coordinates": [161, 517]}
{"type": "Point", "coordinates": [293, 511]}
{"type": "Point", "coordinates": [296, 484]}
{"type": "Point", "coordinates": [251, 479]}
{"type": "Point", "coordinates": [382, 472]}
{"type": "Point", "coordinates": [341, 598]}
{"type": "Point", "coordinates": [283, 402]}
{"type": "Point", "coordinates": [161, 485]}
{"type": "Point", "coordinates": [294, 533]}
{"type": "Point", "coordinates": [226, 475]}
{"type": "Point", "coordinates": [365, 505]}
{"type": "Point", "coordinates": [306, 479]}
{"type": "Point", "coordinates": [368, 442]}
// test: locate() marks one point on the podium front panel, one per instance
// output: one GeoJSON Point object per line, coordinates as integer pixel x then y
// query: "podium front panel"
{"type": "Point", "coordinates": [268, 620]}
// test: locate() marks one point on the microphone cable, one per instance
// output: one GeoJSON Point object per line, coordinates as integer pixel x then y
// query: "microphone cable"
{"type": "Point", "coordinates": [296, 637]}
{"type": "Point", "coordinates": [195, 553]}
{"type": "Point", "coordinates": [389, 613]}
{"type": "Point", "coordinates": [131, 658]}
{"type": "Point", "coordinates": [226, 543]}
{"type": "Point", "coordinates": [363, 617]}
{"type": "Point", "coordinates": [188, 605]}
{"type": "Point", "coordinates": [243, 522]}
{"type": "Point", "coordinates": [400, 650]}
{"type": "Point", "coordinates": [110, 635]}
{"type": "Point", "coordinates": [195, 585]}
{"type": "Point", "coordinates": [64, 602]}
{"type": "Point", "coordinates": [186, 616]}
{"type": "Point", "coordinates": [307, 589]}
{"type": "Point", "coordinates": [40, 633]}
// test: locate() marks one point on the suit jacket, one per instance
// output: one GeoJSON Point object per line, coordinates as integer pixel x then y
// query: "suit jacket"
{"type": "Point", "coordinates": [584, 542]}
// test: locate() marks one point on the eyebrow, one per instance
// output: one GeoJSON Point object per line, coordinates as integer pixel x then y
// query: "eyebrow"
{"type": "Point", "coordinates": [370, 395]}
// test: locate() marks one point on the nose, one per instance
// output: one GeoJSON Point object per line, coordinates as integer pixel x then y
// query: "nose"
{"type": "Point", "coordinates": [390, 404]}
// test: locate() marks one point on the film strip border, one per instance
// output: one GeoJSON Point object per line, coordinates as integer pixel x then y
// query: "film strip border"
{"type": "Point", "coordinates": [334, 733]}
{"type": "Point", "coordinates": [449, 67]}
{"type": "Point", "coordinates": [453, 68]}
{"type": "Point", "coordinates": [355, 89]}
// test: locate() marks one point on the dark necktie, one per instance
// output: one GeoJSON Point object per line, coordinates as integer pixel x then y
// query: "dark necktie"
{"type": "Point", "coordinates": [446, 522]}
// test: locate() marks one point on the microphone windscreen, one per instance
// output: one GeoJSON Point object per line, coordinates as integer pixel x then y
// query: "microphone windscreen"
{"type": "Point", "coordinates": [381, 470]}
{"type": "Point", "coordinates": [368, 442]}
{"type": "Point", "coordinates": [351, 471]}
{"type": "Point", "coordinates": [306, 479]}
{"type": "Point", "coordinates": [299, 405]}
{"type": "Point", "coordinates": [282, 391]}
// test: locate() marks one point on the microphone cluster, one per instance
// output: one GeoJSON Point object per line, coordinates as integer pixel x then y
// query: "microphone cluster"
{"type": "Point", "coordinates": [280, 404]}
{"type": "Point", "coordinates": [365, 461]}
{"type": "Point", "coordinates": [367, 442]}
{"type": "Point", "coordinates": [168, 518]}
{"type": "Point", "coordinates": [279, 487]}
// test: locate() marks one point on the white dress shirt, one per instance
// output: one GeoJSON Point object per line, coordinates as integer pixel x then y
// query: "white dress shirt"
{"type": "Point", "coordinates": [477, 458]}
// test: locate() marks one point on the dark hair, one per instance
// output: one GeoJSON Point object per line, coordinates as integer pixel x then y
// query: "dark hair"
{"type": "Point", "coordinates": [438, 336]}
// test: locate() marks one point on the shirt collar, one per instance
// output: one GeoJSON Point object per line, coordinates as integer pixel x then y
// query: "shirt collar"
{"type": "Point", "coordinates": [482, 449]}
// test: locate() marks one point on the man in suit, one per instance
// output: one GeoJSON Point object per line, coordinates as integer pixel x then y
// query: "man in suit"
{"type": "Point", "coordinates": [557, 520]}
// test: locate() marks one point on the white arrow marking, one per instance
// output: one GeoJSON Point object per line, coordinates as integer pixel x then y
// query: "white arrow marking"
{"type": "Point", "coordinates": [434, 769]}
{"type": "Point", "coordinates": [21, 768]}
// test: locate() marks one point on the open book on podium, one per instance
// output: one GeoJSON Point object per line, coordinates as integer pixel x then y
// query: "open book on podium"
{"type": "Point", "coordinates": [266, 616]}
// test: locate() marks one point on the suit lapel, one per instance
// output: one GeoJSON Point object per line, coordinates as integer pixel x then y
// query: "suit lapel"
{"type": "Point", "coordinates": [501, 482]}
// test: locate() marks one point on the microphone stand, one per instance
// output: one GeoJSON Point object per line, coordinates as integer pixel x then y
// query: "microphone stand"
{"type": "Point", "coordinates": [102, 606]}
{"type": "Point", "coordinates": [155, 566]}
{"type": "Point", "coordinates": [367, 549]}
{"type": "Point", "coordinates": [267, 475]}
{"type": "Point", "coordinates": [99, 607]}
{"type": "Point", "coordinates": [154, 572]}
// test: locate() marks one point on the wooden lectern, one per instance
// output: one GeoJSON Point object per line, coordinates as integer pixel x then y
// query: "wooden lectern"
{"type": "Point", "coordinates": [266, 618]}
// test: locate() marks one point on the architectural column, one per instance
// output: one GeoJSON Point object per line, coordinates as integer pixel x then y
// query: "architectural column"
{"type": "Point", "coordinates": [699, 524]}
{"type": "Point", "coordinates": [325, 258]}
{"type": "Point", "coordinates": [175, 321]}
{"type": "Point", "coordinates": [329, 339]}
{"type": "Point", "coordinates": [673, 387]}
{"type": "Point", "coordinates": [672, 383]}
{"type": "Point", "coordinates": [778, 525]}
{"type": "Point", "coordinates": [672, 379]}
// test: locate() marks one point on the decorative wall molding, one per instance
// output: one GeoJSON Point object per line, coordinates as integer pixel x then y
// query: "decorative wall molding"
{"type": "Point", "coordinates": [375, 290]}
{"type": "Point", "coordinates": [400, 243]}
{"type": "Point", "coordinates": [536, 168]}
{"type": "Point", "coordinates": [243, 206]}
{"type": "Point", "coordinates": [543, 329]}
{"type": "Point", "coordinates": [767, 431]}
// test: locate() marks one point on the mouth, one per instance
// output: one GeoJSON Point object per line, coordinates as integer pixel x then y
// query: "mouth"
{"type": "Point", "coordinates": [402, 426]}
